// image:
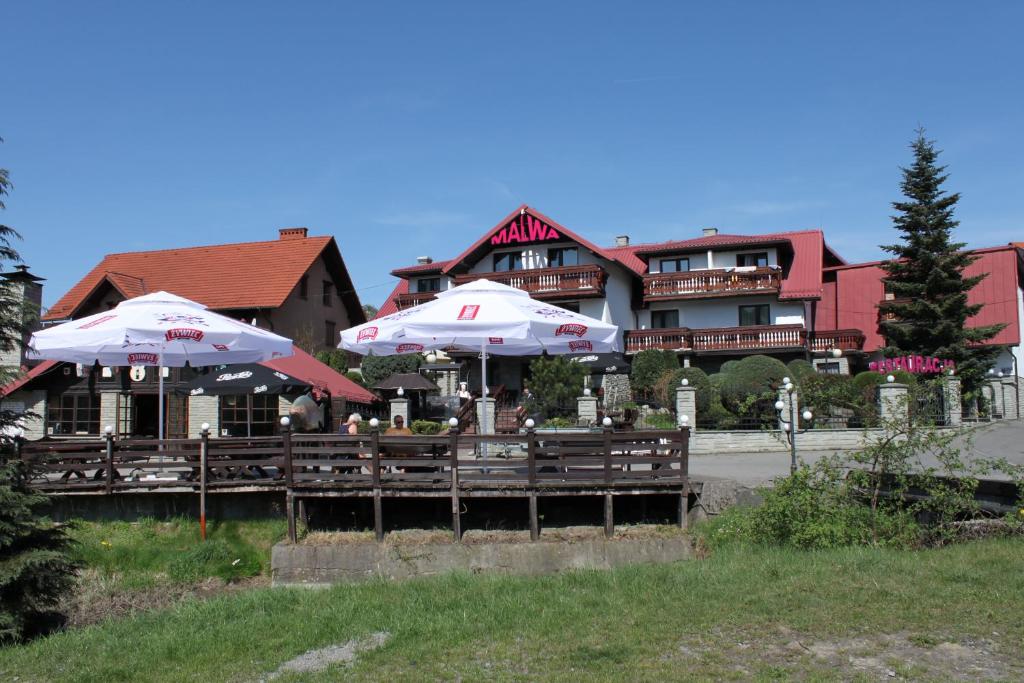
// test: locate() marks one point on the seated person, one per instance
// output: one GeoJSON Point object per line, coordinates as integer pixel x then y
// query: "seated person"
{"type": "Point", "coordinates": [399, 429]}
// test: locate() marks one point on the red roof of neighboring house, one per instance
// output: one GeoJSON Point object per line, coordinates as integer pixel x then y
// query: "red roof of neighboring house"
{"type": "Point", "coordinates": [858, 289]}
{"type": "Point", "coordinates": [709, 242]}
{"type": "Point", "coordinates": [307, 368]}
{"type": "Point", "coordinates": [565, 232]}
{"type": "Point", "coordinates": [389, 306]}
{"type": "Point", "coordinates": [420, 268]}
{"type": "Point", "coordinates": [224, 276]}
{"type": "Point", "coordinates": [627, 257]}
{"type": "Point", "coordinates": [37, 371]}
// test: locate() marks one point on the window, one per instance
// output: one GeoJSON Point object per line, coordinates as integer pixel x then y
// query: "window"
{"type": "Point", "coordinates": [759, 259]}
{"type": "Point", "coordinates": [675, 265]}
{"type": "Point", "coordinates": [304, 287]}
{"type": "Point", "coordinates": [664, 319]}
{"type": "Point", "coordinates": [329, 334]}
{"type": "Point", "coordinates": [755, 315]}
{"type": "Point", "coordinates": [563, 256]}
{"type": "Point", "coordinates": [830, 368]}
{"type": "Point", "coordinates": [428, 284]}
{"type": "Point", "coordinates": [74, 414]}
{"type": "Point", "coordinates": [512, 260]}
{"type": "Point", "coordinates": [328, 288]}
{"type": "Point", "coordinates": [234, 414]}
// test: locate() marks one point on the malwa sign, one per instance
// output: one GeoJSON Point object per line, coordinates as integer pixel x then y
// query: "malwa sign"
{"type": "Point", "coordinates": [525, 230]}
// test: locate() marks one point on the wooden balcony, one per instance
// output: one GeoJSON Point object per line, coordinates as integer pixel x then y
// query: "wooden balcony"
{"type": "Point", "coordinates": [703, 284]}
{"type": "Point", "coordinates": [568, 282]}
{"type": "Point", "coordinates": [756, 338]}
{"type": "Point", "coordinates": [410, 299]}
{"type": "Point", "coordinates": [845, 340]}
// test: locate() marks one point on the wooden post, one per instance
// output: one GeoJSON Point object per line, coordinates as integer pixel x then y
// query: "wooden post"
{"type": "Point", "coordinates": [609, 523]}
{"type": "Point", "coordinates": [607, 444]}
{"type": "Point", "coordinates": [110, 463]}
{"type": "Point", "coordinates": [534, 521]}
{"type": "Point", "coordinates": [684, 475]}
{"type": "Point", "coordinates": [453, 457]}
{"type": "Point", "coordinates": [286, 449]}
{"type": "Point", "coordinates": [204, 453]}
{"type": "Point", "coordinates": [378, 508]}
{"type": "Point", "coordinates": [290, 509]}
{"type": "Point", "coordinates": [531, 474]}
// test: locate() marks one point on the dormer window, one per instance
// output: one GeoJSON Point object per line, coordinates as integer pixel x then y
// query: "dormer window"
{"type": "Point", "coordinates": [511, 260]}
{"type": "Point", "coordinates": [758, 259]}
{"type": "Point", "coordinates": [675, 265]}
{"type": "Point", "coordinates": [428, 284]}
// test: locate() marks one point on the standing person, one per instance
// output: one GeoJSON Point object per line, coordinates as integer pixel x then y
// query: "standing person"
{"type": "Point", "coordinates": [351, 425]}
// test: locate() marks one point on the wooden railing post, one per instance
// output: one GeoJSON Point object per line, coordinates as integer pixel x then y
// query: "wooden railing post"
{"type": "Point", "coordinates": [204, 459]}
{"type": "Point", "coordinates": [286, 449]}
{"type": "Point", "coordinates": [453, 458]}
{"type": "Point", "coordinates": [378, 506]}
{"type": "Point", "coordinates": [609, 519]}
{"type": "Point", "coordinates": [607, 446]}
{"type": "Point", "coordinates": [109, 474]}
{"type": "Point", "coordinates": [531, 475]}
{"type": "Point", "coordinates": [684, 476]}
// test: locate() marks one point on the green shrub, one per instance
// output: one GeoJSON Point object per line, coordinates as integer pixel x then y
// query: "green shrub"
{"type": "Point", "coordinates": [648, 366]}
{"type": "Point", "coordinates": [660, 421]}
{"type": "Point", "coordinates": [559, 422]}
{"type": "Point", "coordinates": [665, 388]}
{"type": "Point", "coordinates": [799, 369]}
{"type": "Point", "coordinates": [356, 377]}
{"type": "Point", "coordinates": [556, 383]}
{"type": "Point", "coordinates": [426, 427]}
{"type": "Point", "coordinates": [376, 369]}
{"type": "Point", "coordinates": [840, 395]}
{"type": "Point", "coordinates": [753, 380]}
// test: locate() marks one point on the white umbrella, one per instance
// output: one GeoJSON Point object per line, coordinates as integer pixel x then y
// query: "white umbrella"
{"type": "Point", "coordinates": [483, 315]}
{"type": "Point", "coordinates": [161, 329]}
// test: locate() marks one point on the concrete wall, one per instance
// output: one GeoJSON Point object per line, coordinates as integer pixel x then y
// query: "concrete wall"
{"type": "Point", "coordinates": [706, 442]}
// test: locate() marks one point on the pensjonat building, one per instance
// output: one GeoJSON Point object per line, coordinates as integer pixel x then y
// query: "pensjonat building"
{"type": "Point", "coordinates": [709, 298]}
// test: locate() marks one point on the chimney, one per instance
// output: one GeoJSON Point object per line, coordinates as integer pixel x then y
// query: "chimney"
{"type": "Point", "coordinates": [710, 232]}
{"type": "Point", "coordinates": [292, 233]}
{"type": "Point", "coordinates": [424, 260]}
{"type": "Point", "coordinates": [622, 241]}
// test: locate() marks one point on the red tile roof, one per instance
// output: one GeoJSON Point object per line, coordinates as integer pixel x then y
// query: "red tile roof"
{"type": "Point", "coordinates": [627, 257]}
{"type": "Point", "coordinates": [853, 299]}
{"type": "Point", "coordinates": [709, 242]}
{"type": "Point", "coordinates": [28, 376]}
{"type": "Point", "coordinates": [419, 268]}
{"type": "Point", "coordinates": [224, 276]}
{"type": "Point", "coordinates": [307, 368]}
{"type": "Point", "coordinates": [389, 306]}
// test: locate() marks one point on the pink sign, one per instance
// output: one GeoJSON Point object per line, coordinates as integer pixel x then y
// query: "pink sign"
{"type": "Point", "coordinates": [524, 230]}
{"type": "Point", "coordinates": [922, 365]}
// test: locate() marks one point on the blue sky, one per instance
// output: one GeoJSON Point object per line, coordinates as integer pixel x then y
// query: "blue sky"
{"type": "Point", "coordinates": [411, 128]}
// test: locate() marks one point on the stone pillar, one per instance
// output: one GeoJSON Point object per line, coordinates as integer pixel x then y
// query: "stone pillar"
{"type": "Point", "coordinates": [996, 389]}
{"type": "Point", "coordinates": [892, 402]}
{"type": "Point", "coordinates": [400, 406]}
{"type": "Point", "coordinates": [486, 427]}
{"type": "Point", "coordinates": [1010, 398]}
{"type": "Point", "coordinates": [586, 409]}
{"type": "Point", "coordinates": [686, 404]}
{"type": "Point", "coordinates": [951, 400]}
{"type": "Point", "coordinates": [204, 409]}
{"type": "Point", "coordinates": [788, 399]}
{"type": "Point", "coordinates": [108, 410]}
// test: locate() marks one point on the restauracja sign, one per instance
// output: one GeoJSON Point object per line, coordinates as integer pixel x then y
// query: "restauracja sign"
{"type": "Point", "coordinates": [922, 365]}
{"type": "Point", "coordinates": [524, 230]}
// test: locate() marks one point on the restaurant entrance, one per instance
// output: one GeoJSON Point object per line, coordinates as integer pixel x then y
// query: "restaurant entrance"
{"type": "Point", "coordinates": [145, 413]}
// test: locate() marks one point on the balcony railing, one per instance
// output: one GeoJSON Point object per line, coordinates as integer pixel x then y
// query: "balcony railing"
{"type": "Point", "coordinates": [710, 283]}
{"type": "Point", "coordinates": [717, 338]}
{"type": "Point", "coordinates": [845, 340]}
{"type": "Point", "coordinates": [567, 282]}
{"type": "Point", "coordinates": [410, 299]}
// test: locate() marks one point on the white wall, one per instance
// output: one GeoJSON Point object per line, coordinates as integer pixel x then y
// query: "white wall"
{"type": "Point", "coordinates": [534, 256]}
{"type": "Point", "coordinates": [724, 311]}
{"type": "Point", "coordinates": [720, 259]}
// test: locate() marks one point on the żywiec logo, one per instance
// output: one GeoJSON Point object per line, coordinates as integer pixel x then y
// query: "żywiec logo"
{"type": "Point", "coordinates": [143, 359]}
{"type": "Point", "coordinates": [581, 345]}
{"type": "Point", "coordinates": [97, 321]}
{"type": "Point", "coordinates": [495, 340]}
{"type": "Point", "coordinates": [408, 348]}
{"type": "Point", "coordinates": [367, 334]}
{"type": "Point", "coordinates": [469, 312]}
{"type": "Point", "coordinates": [185, 333]}
{"type": "Point", "coordinates": [571, 329]}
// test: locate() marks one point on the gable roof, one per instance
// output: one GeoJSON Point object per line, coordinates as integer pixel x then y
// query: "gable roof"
{"type": "Point", "coordinates": [27, 377]}
{"type": "Point", "coordinates": [481, 244]}
{"type": "Point", "coordinates": [307, 368]}
{"type": "Point", "coordinates": [224, 276]}
{"type": "Point", "coordinates": [390, 305]}
{"type": "Point", "coordinates": [421, 268]}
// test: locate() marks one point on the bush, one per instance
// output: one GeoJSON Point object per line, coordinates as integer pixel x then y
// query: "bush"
{"type": "Point", "coordinates": [356, 377]}
{"type": "Point", "coordinates": [838, 395]}
{"type": "Point", "coordinates": [648, 366]}
{"type": "Point", "coordinates": [752, 380]}
{"type": "Point", "coordinates": [660, 421]}
{"type": "Point", "coordinates": [665, 388]}
{"type": "Point", "coordinates": [426, 427]}
{"type": "Point", "coordinates": [36, 570]}
{"type": "Point", "coordinates": [556, 383]}
{"type": "Point", "coordinates": [559, 422]}
{"type": "Point", "coordinates": [799, 369]}
{"type": "Point", "coordinates": [376, 369]}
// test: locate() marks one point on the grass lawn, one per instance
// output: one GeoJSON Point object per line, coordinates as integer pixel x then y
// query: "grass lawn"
{"type": "Point", "coordinates": [860, 614]}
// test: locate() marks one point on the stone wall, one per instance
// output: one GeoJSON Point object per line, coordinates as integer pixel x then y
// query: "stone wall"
{"type": "Point", "coordinates": [203, 409]}
{"type": "Point", "coordinates": [616, 391]}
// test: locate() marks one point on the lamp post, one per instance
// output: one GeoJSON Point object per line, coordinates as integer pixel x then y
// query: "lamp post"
{"type": "Point", "coordinates": [791, 427]}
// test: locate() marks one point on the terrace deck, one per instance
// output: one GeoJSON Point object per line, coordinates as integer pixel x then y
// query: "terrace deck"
{"type": "Point", "coordinates": [308, 466]}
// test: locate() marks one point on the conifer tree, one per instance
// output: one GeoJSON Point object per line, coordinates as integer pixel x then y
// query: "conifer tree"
{"type": "Point", "coordinates": [929, 310]}
{"type": "Point", "coordinates": [36, 571]}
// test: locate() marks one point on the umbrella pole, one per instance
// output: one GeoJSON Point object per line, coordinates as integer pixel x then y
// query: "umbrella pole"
{"type": "Point", "coordinates": [483, 395]}
{"type": "Point", "coordinates": [160, 397]}
{"type": "Point", "coordinates": [248, 415]}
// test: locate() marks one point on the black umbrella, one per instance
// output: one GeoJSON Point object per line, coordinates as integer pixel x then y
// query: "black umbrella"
{"type": "Point", "coordinates": [244, 379]}
{"type": "Point", "coordinates": [603, 363]}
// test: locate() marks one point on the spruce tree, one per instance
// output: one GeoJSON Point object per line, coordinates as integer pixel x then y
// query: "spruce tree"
{"type": "Point", "coordinates": [36, 570]}
{"type": "Point", "coordinates": [929, 310]}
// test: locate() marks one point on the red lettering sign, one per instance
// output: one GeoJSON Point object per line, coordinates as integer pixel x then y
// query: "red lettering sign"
{"type": "Point", "coordinates": [525, 230]}
{"type": "Point", "coordinates": [581, 345]}
{"type": "Point", "coordinates": [495, 340]}
{"type": "Point", "coordinates": [367, 334]}
{"type": "Point", "coordinates": [469, 312]}
{"type": "Point", "coordinates": [97, 321]}
{"type": "Point", "coordinates": [571, 329]}
{"type": "Point", "coordinates": [921, 365]}
{"type": "Point", "coordinates": [408, 348]}
{"type": "Point", "coordinates": [143, 359]}
{"type": "Point", "coordinates": [185, 333]}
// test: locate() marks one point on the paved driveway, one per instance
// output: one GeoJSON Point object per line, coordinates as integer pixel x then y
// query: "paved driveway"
{"type": "Point", "coordinates": [999, 440]}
